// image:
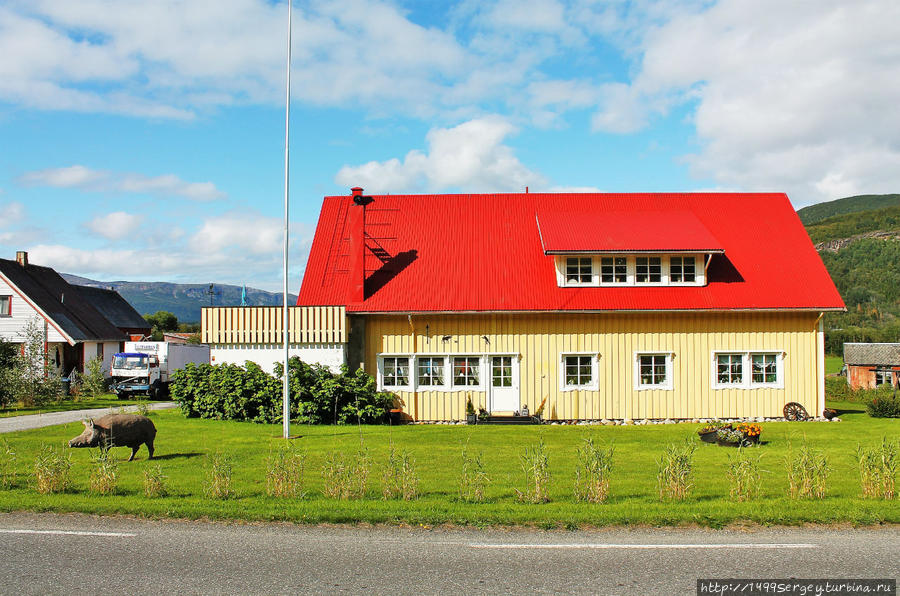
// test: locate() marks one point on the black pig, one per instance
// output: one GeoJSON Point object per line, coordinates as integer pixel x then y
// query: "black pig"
{"type": "Point", "coordinates": [117, 430]}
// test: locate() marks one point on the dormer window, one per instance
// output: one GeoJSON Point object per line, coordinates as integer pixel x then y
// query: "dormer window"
{"type": "Point", "coordinates": [648, 270]}
{"type": "Point", "coordinates": [599, 270]}
{"type": "Point", "coordinates": [682, 269]}
{"type": "Point", "coordinates": [613, 270]}
{"type": "Point", "coordinates": [579, 271]}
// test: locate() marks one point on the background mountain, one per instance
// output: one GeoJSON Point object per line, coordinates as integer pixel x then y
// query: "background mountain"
{"type": "Point", "coordinates": [860, 245]}
{"type": "Point", "coordinates": [182, 300]}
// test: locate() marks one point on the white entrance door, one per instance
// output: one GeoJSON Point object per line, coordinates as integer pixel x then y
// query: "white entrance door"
{"type": "Point", "coordinates": [504, 384]}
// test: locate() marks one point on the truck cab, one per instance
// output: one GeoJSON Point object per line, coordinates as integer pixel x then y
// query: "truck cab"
{"type": "Point", "coordinates": [135, 372]}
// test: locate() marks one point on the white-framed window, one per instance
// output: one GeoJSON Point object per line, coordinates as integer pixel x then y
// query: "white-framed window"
{"type": "Point", "coordinates": [579, 271]}
{"type": "Point", "coordinates": [5, 306]}
{"type": "Point", "coordinates": [747, 370]}
{"type": "Point", "coordinates": [883, 377]}
{"type": "Point", "coordinates": [648, 270]}
{"type": "Point", "coordinates": [729, 369]}
{"type": "Point", "coordinates": [653, 370]}
{"type": "Point", "coordinates": [682, 269]}
{"type": "Point", "coordinates": [393, 372]}
{"type": "Point", "coordinates": [501, 371]}
{"type": "Point", "coordinates": [614, 270]}
{"type": "Point", "coordinates": [578, 371]}
{"type": "Point", "coordinates": [430, 371]}
{"type": "Point", "coordinates": [466, 371]}
{"type": "Point", "coordinates": [765, 369]}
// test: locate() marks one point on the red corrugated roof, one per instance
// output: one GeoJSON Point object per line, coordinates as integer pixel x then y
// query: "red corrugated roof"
{"type": "Point", "coordinates": [624, 231]}
{"type": "Point", "coordinates": [450, 253]}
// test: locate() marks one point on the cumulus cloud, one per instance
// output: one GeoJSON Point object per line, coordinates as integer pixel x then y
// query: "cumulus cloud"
{"type": "Point", "coordinates": [116, 225]}
{"type": "Point", "coordinates": [11, 213]}
{"type": "Point", "coordinates": [781, 96]}
{"type": "Point", "coordinates": [237, 247]}
{"type": "Point", "coordinates": [470, 156]}
{"type": "Point", "coordinates": [84, 178]}
{"type": "Point", "coordinates": [247, 232]}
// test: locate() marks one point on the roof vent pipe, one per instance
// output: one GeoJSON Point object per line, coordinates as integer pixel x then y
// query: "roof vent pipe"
{"type": "Point", "coordinates": [22, 258]}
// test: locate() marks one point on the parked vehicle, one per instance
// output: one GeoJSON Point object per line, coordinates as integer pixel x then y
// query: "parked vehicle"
{"type": "Point", "coordinates": [145, 367]}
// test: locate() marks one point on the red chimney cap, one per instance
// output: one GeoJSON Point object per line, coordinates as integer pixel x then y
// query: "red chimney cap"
{"type": "Point", "coordinates": [357, 191]}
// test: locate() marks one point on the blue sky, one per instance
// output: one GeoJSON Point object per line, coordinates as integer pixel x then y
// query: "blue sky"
{"type": "Point", "coordinates": [143, 140]}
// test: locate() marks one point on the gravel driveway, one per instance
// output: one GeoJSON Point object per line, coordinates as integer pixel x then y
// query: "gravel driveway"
{"type": "Point", "coordinates": [14, 423]}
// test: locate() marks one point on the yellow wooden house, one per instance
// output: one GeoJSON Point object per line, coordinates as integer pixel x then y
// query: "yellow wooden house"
{"type": "Point", "coordinates": [599, 306]}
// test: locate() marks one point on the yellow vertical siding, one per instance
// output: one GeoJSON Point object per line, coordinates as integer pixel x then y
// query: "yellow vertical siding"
{"type": "Point", "coordinates": [263, 324]}
{"type": "Point", "coordinates": [539, 339]}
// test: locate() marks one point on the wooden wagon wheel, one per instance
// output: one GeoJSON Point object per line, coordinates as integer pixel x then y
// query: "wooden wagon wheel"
{"type": "Point", "coordinates": [795, 411]}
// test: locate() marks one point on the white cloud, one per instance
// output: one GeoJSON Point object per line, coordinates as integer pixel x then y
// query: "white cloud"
{"type": "Point", "coordinates": [470, 156]}
{"type": "Point", "coordinates": [116, 225]}
{"type": "Point", "coordinates": [783, 97]}
{"type": "Point", "coordinates": [11, 213]}
{"type": "Point", "coordinates": [245, 232]}
{"type": "Point", "coordinates": [83, 178]}
{"type": "Point", "coordinates": [237, 247]}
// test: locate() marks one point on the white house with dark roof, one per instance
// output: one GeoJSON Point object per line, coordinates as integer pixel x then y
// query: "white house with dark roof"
{"type": "Point", "coordinates": [78, 323]}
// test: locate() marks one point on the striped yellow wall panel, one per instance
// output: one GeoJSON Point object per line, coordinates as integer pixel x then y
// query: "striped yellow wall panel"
{"type": "Point", "coordinates": [263, 324]}
{"type": "Point", "coordinates": [539, 340]}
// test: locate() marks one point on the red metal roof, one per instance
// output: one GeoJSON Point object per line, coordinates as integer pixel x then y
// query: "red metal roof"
{"type": "Point", "coordinates": [452, 253]}
{"type": "Point", "coordinates": [669, 230]}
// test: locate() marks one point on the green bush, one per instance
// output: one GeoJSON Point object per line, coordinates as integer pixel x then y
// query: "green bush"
{"type": "Point", "coordinates": [883, 406]}
{"type": "Point", "coordinates": [318, 396]}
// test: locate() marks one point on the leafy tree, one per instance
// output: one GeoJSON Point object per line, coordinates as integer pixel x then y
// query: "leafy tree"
{"type": "Point", "coordinates": [9, 354]}
{"type": "Point", "coordinates": [33, 380]}
{"type": "Point", "coordinates": [160, 322]}
{"type": "Point", "coordinates": [94, 381]}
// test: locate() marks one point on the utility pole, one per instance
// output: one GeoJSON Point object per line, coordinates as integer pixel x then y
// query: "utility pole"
{"type": "Point", "coordinates": [286, 405]}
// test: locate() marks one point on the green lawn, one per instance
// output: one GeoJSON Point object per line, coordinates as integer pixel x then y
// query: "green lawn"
{"type": "Point", "coordinates": [184, 444]}
{"type": "Point", "coordinates": [833, 364]}
{"type": "Point", "coordinates": [104, 401]}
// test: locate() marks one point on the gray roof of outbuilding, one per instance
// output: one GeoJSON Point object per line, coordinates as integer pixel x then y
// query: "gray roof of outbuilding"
{"type": "Point", "coordinates": [872, 354]}
{"type": "Point", "coordinates": [69, 309]}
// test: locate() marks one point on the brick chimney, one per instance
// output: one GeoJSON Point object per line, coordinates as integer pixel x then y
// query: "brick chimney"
{"type": "Point", "coordinates": [22, 258]}
{"type": "Point", "coordinates": [356, 220]}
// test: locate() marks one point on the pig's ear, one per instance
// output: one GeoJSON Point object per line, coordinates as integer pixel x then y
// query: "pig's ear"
{"type": "Point", "coordinates": [88, 423]}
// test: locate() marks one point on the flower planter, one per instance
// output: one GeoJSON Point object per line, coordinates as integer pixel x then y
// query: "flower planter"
{"type": "Point", "coordinates": [724, 443]}
{"type": "Point", "coordinates": [708, 437]}
{"type": "Point", "coordinates": [471, 419]}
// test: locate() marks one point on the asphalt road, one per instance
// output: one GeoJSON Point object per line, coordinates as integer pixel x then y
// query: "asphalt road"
{"type": "Point", "coordinates": [67, 554]}
{"type": "Point", "coordinates": [29, 421]}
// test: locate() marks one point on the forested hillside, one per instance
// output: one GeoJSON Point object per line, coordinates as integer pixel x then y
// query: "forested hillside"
{"type": "Point", "coordinates": [861, 249]}
{"type": "Point", "coordinates": [815, 213]}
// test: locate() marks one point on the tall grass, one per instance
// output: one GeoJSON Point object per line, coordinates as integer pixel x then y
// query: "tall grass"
{"type": "Point", "coordinates": [807, 471]}
{"type": "Point", "coordinates": [400, 480]}
{"type": "Point", "coordinates": [536, 466]}
{"type": "Point", "coordinates": [218, 477]}
{"type": "Point", "coordinates": [878, 470]}
{"type": "Point", "coordinates": [346, 477]}
{"type": "Point", "coordinates": [284, 472]}
{"type": "Point", "coordinates": [592, 472]}
{"type": "Point", "coordinates": [105, 475]}
{"type": "Point", "coordinates": [155, 482]}
{"type": "Point", "coordinates": [473, 477]}
{"type": "Point", "coordinates": [51, 471]}
{"type": "Point", "coordinates": [675, 471]}
{"type": "Point", "coordinates": [7, 466]}
{"type": "Point", "coordinates": [744, 474]}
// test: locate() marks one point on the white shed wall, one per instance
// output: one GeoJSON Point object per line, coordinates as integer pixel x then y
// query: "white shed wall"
{"type": "Point", "coordinates": [266, 355]}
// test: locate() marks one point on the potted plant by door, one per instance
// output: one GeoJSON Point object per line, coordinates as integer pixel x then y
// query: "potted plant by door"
{"type": "Point", "coordinates": [471, 418]}
{"type": "Point", "coordinates": [540, 411]}
{"type": "Point", "coordinates": [483, 414]}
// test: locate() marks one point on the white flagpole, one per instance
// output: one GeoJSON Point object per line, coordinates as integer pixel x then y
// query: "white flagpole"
{"type": "Point", "coordinates": [286, 406]}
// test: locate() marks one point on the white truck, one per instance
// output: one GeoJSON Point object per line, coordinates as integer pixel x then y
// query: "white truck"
{"type": "Point", "coordinates": [147, 366]}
